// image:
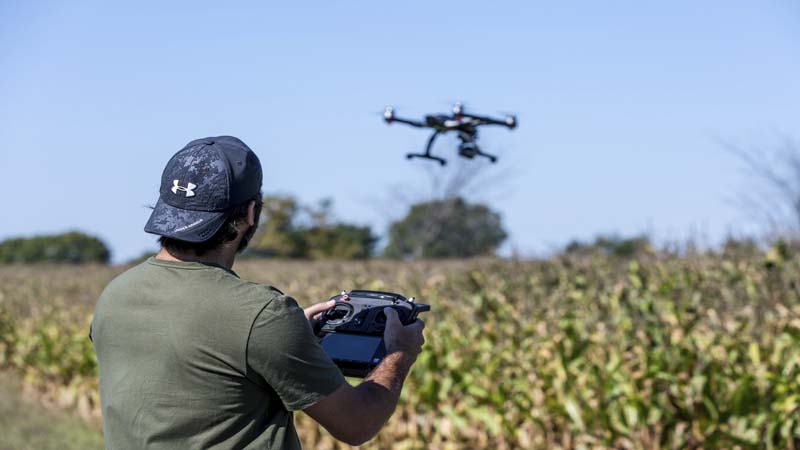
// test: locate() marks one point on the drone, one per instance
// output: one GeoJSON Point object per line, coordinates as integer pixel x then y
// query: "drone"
{"type": "Point", "coordinates": [465, 125]}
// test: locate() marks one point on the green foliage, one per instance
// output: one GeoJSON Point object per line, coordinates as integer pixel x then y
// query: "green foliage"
{"type": "Point", "coordinates": [281, 233]}
{"type": "Point", "coordinates": [72, 247]}
{"type": "Point", "coordinates": [278, 234]}
{"type": "Point", "coordinates": [449, 228]}
{"type": "Point", "coordinates": [339, 241]}
{"type": "Point", "coordinates": [733, 247]}
{"type": "Point", "coordinates": [614, 246]}
{"type": "Point", "coordinates": [579, 351]}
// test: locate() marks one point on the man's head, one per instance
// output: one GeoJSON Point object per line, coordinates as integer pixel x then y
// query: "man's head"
{"type": "Point", "coordinates": [210, 196]}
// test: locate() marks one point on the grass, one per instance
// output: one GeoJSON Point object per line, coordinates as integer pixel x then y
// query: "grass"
{"type": "Point", "coordinates": [27, 425]}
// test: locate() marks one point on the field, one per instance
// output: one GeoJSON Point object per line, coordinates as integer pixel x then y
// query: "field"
{"type": "Point", "coordinates": [27, 425]}
{"type": "Point", "coordinates": [573, 352]}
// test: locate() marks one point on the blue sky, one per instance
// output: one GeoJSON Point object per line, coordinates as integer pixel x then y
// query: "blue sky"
{"type": "Point", "coordinates": [622, 106]}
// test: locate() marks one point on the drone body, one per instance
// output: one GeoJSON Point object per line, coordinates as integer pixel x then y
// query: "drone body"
{"type": "Point", "coordinates": [463, 124]}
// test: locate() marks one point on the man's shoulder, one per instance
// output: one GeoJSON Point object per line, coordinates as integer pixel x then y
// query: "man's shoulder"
{"type": "Point", "coordinates": [151, 277]}
{"type": "Point", "coordinates": [246, 290]}
{"type": "Point", "coordinates": [126, 278]}
{"type": "Point", "coordinates": [281, 315]}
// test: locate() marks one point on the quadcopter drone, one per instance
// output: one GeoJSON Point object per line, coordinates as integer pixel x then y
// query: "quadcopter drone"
{"type": "Point", "coordinates": [464, 124]}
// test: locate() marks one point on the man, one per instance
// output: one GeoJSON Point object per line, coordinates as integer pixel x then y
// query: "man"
{"type": "Point", "coordinates": [191, 356]}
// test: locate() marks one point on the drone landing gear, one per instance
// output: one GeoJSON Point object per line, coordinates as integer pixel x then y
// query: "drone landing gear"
{"type": "Point", "coordinates": [427, 156]}
{"type": "Point", "coordinates": [428, 147]}
{"type": "Point", "coordinates": [469, 150]}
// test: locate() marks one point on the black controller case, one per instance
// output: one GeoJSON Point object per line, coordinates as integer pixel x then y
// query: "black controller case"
{"type": "Point", "coordinates": [351, 332]}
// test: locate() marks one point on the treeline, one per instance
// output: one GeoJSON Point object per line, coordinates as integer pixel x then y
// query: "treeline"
{"type": "Point", "coordinates": [290, 230]}
{"type": "Point", "coordinates": [73, 247]}
{"type": "Point", "coordinates": [452, 228]}
{"type": "Point", "coordinates": [438, 229]}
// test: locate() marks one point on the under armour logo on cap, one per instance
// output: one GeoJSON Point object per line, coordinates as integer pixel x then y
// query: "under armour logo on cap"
{"type": "Point", "coordinates": [188, 189]}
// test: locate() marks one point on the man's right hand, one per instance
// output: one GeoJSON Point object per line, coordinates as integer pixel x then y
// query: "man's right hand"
{"type": "Point", "coordinates": [355, 414]}
{"type": "Point", "coordinates": [398, 338]}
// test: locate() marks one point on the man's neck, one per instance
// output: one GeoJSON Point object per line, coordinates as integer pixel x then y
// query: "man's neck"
{"type": "Point", "coordinates": [220, 257]}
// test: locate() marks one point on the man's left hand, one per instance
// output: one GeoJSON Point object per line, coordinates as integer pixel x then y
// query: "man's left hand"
{"type": "Point", "coordinates": [314, 312]}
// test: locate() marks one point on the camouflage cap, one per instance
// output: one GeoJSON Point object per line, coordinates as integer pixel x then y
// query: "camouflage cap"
{"type": "Point", "coordinates": [201, 184]}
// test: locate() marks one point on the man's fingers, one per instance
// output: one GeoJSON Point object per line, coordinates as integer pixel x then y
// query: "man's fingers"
{"type": "Point", "coordinates": [313, 310]}
{"type": "Point", "coordinates": [418, 324]}
{"type": "Point", "coordinates": [391, 315]}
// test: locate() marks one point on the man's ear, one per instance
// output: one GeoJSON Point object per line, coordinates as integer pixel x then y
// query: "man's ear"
{"type": "Point", "coordinates": [251, 213]}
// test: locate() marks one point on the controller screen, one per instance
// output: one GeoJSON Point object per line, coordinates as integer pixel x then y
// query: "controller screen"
{"type": "Point", "coordinates": [351, 347]}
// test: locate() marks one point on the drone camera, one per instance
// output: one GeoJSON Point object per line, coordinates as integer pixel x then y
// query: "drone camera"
{"type": "Point", "coordinates": [468, 150]}
{"type": "Point", "coordinates": [511, 122]}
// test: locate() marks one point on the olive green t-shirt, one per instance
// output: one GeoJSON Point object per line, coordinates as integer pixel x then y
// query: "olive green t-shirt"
{"type": "Point", "coordinates": [192, 357]}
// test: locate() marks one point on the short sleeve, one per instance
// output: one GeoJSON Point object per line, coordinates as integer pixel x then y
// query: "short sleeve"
{"type": "Point", "coordinates": [283, 350]}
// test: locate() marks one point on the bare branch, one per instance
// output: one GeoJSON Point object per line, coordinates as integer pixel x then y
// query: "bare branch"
{"type": "Point", "coordinates": [775, 200]}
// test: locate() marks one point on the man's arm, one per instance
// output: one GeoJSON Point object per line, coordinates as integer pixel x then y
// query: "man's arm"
{"type": "Point", "coordinates": [356, 414]}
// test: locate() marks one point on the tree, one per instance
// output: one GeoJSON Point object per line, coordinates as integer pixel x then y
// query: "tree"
{"type": "Point", "coordinates": [289, 230]}
{"type": "Point", "coordinates": [277, 234]}
{"type": "Point", "coordinates": [339, 241]}
{"type": "Point", "coordinates": [431, 227]}
{"type": "Point", "coordinates": [611, 246]}
{"type": "Point", "coordinates": [449, 228]}
{"type": "Point", "coordinates": [73, 247]}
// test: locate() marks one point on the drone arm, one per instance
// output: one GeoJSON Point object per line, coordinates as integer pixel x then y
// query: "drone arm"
{"type": "Point", "coordinates": [413, 123]}
{"type": "Point", "coordinates": [484, 120]}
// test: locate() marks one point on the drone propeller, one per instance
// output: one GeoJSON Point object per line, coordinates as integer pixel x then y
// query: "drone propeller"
{"type": "Point", "coordinates": [379, 112]}
{"type": "Point", "coordinates": [511, 121]}
{"type": "Point", "coordinates": [511, 118]}
{"type": "Point", "coordinates": [456, 106]}
{"type": "Point", "coordinates": [387, 113]}
{"type": "Point", "coordinates": [390, 111]}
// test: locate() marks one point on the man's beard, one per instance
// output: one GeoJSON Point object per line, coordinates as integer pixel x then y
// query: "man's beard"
{"type": "Point", "coordinates": [252, 230]}
{"type": "Point", "coordinates": [246, 238]}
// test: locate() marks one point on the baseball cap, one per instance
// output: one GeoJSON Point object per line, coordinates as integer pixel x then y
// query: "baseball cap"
{"type": "Point", "coordinates": [200, 186]}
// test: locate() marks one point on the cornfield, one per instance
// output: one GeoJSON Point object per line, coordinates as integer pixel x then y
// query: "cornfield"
{"type": "Point", "coordinates": [573, 352]}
